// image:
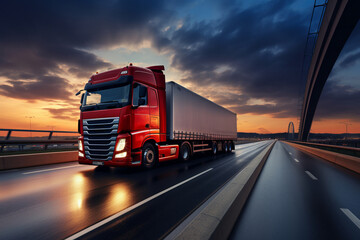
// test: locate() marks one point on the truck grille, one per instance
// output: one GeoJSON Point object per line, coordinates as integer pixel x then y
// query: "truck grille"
{"type": "Point", "coordinates": [100, 137]}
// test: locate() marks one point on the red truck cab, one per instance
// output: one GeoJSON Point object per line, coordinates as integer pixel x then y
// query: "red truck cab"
{"type": "Point", "coordinates": [123, 118]}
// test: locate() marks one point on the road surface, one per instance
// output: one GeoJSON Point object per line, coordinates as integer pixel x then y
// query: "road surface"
{"type": "Point", "coordinates": [66, 200]}
{"type": "Point", "coordinates": [298, 196]}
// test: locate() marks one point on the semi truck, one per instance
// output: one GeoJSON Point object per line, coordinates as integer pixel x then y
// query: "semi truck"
{"type": "Point", "coordinates": [131, 117]}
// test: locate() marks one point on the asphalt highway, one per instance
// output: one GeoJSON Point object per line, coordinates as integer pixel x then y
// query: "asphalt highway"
{"type": "Point", "coordinates": [79, 201]}
{"type": "Point", "coordinates": [298, 196]}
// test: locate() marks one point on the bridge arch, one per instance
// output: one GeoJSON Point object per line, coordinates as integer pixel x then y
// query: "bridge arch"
{"type": "Point", "coordinates": [340, 18]}
{"type": "Point", "coordinates": [291, 131]}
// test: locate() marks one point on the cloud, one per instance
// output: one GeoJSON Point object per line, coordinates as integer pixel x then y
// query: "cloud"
{"type": "Point", "coordinates": [43, 41]}
{"type": "Point", "coordinates": [349, 60]}
{"type": "Point", "coordinates": [44, 87]}
{"type": "Point", "coordinates": [252, 52]}
{"type": "Point", "coordinates": [338, 102]}
{"type": "Point", "coordinates": [262, 49]}
{"type": "Point", "coordinates": [70, 113]}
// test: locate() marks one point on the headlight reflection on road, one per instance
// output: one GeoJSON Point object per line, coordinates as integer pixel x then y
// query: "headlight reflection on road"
{"type": "Point", "coordinates": [78, 185]}
{"type": "Point", "coordinates": [119, 197]}
{"type": "Point", "coordinates": [77, 202]}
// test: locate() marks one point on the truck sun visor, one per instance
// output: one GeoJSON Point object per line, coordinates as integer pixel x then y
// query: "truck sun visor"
{"type": "Point", "coordinates": [123, 80]}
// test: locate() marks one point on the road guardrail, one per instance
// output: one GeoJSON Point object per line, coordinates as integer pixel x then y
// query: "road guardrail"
{"type": "Point", "coordinates": [333, 148]}
{"type": "Point", "coordinates": [46, 142]}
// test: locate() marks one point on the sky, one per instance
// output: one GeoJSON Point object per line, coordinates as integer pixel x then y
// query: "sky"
{"type": "Point", "coordinates": [243, 55]}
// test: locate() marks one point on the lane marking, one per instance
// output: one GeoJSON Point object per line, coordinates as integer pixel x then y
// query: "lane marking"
{"type": "Point", "coordinates": [296, 160]}
{"type": "Point", "coordinates": [52, 169]}
{"type": "Point", "coordinates": [310, 175]}
{"type": "Point", "coordinates": [249, 149]}
{"type": "Point", "coordinates": [351, 216]}
{"type": "Point", "coordinates": [119, 214]}
{"type": "Point", "coordinates": [290, 153]}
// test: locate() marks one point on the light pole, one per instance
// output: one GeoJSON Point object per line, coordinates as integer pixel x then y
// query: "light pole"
{"type": "Point", "coordinates": [346, 128]}
{"type": "Point", "coordinates": [30, 117]}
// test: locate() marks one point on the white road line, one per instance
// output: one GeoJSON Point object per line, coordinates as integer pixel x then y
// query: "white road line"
{"type": "Point", "coordinates": [119, 214]}
{"type": "Point", "coordinates": [310, 175]}
{"type": "Point", "coordinates": [296, 160]}
{"type": "Point", "coordinates": [290, 153]}
{"type": "Point", "coordinates": [351, 216]}
{"type": "Point", "coordinates": [52, 169]}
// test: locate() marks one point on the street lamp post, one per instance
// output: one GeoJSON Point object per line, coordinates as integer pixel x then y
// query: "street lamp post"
{"type": "Point", "coordinates": [346, 128]}
{"type": "Point", "coordinates": [30, 117]}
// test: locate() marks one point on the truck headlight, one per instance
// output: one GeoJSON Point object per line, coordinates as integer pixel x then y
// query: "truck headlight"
{"type": "Point", "coordinates": [120, 145]}
{"type": "Point", "coordinates": [121, 155]}
{"type": "Point", "coordinates": [80, 146]}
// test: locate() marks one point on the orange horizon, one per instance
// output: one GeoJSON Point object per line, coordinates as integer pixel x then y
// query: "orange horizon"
{"type": "Point", "coordinates": [64, 118]}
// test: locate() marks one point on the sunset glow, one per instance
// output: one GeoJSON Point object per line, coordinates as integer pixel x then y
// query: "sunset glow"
{"type": "Point", "coordinates": [238, 63]}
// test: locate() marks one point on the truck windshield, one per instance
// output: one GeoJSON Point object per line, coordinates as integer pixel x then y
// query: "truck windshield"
{"type": "Point", "coordinates": [106, 98]}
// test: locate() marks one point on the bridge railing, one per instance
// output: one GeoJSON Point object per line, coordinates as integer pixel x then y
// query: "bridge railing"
{"type": "Point", "coordinates": [351, 151]}
{"type": "Point", "coordinates": [45, 142]}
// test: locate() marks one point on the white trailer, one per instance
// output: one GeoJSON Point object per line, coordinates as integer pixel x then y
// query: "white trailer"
{"type": "Point", "coordinates": [198, 120]}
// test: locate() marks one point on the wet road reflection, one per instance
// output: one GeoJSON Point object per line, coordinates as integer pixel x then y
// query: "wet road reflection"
{"type": "Point", "coordinates": [56, 204]}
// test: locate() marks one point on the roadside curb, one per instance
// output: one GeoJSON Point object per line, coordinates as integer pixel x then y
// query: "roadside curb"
{"type": "Point", "coordinates": [217, 219]}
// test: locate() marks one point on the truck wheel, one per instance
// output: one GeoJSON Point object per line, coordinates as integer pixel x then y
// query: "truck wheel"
{"type": "Point", "coordinates": [185, 153]}
{"type": "Point", "coordinates": [225, 147]}
{"type": "Point", "coordinates": [230, 147]}
{"type": "Point", "coordinates": [148, 155]}
{"type": "Point", "coordinates": [214, 148]}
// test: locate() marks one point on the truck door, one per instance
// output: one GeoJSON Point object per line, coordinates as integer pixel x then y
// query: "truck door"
{"type": "Point", "coordinates": [140, 123]}
{"type": "Point", "coordinates": [154, 111]}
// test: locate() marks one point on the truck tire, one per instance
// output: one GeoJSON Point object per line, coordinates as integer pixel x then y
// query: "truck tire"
{"type": "Point", "coordinates": [225, 147]}
{"type": "Point", "coordinates": [230, 148]}
{"type": "Point", "coordinates": [185, 152]}
{"type": "Point", "coordinates": [149, 157]}
{"type": "Point", "coordinates": [214, 148]}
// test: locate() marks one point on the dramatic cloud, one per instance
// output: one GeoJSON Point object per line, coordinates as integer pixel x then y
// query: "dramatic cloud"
{"type": "Point", "coordinates": [338, 102]}
{"type": "Point", "coordinates": [257, 51]}
{"type": "Point", "coordinates": [41, 41]}
{"type": "Point", "coordinates": [45, 88]}
{"type": "Point", "coordinates": [246, 57]}
{"type": "Point", "coordinates": [64, 113]}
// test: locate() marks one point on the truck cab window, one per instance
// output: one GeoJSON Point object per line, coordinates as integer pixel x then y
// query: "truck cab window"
{"type": "Point", "coordinates": [140, 96]}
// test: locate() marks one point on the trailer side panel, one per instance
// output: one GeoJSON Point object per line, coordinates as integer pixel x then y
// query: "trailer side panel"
{"type": "Point", "coordinates": [190, 116]}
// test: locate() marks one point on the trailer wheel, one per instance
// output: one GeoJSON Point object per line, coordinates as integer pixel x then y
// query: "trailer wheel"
{"type": "Point", "coordinates": [185, 153]}
{"type": "Point", "coordinates": [148, 155]}
{"type": "Point", "coordinates": [230, 148]}
{"type": "Point", "coordinates": [226, 147]}
{"type": "Point", "coordinates": [214, 148]}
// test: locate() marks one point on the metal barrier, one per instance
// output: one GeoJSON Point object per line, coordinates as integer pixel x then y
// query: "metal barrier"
{"type": "Point", "coordinates": [333, 148]}
{"type": "Point", "coordinates": [7, 140]}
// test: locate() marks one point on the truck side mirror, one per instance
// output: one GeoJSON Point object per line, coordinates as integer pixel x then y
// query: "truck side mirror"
{"type": "Point", "coordinates": [82, 98]}
{"type": "Point", "coordinates": [76, 94]}
{"type": "Point", "coordinates": [135, 105]}
{"type": "Point", "coordinates": [141, 101]}
{"type": "Point", "coordinates": [79, 131]}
